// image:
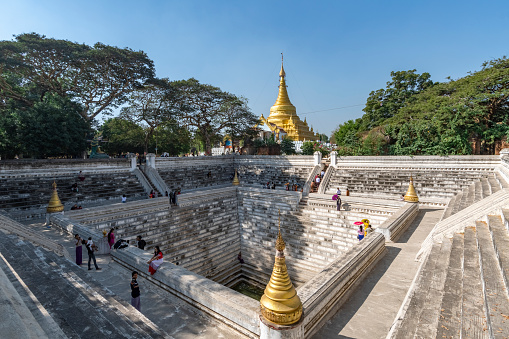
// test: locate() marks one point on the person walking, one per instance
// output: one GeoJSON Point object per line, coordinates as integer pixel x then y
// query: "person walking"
{"type": "Point", "coordinates": [140, 242]}
{"type": "Point", "coordinates": [135, 292]}
{"type": "Point", "coordinates": [79, 249]}
{"type": "Point", "coordinates": [338, 203]}
{"type": "Point", "coordinates": [360, 233]}
{"type": "Point", "coordinates": [91, 256]}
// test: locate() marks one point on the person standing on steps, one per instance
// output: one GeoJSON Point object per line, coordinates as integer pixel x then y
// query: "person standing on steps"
{"type": "Point", "coordinates": [79, 249]}
{"type": "Point", "coordinates": [91, 256]}
{"type": "Point", "coordinates": [135, 292]}
{"type": "Point", "coordinates": [111, 238]}
{"type": "Point", "coordinates": [124, 198]}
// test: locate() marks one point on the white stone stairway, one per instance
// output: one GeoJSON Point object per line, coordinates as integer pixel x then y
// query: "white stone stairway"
{"type": "Point", "coordinates": [462, 288]}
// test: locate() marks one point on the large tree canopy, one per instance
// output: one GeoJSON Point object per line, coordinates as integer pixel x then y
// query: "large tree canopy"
{"type": "Point", "coordinates": [421, 117]}
{"type": "Point", "coordinates": [210, 111]}
{"type": "Point", "coordinates": [98, 77]}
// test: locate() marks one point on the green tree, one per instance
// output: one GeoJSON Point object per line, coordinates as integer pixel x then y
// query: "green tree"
{"type": "Point", "coordinates": [287, 146]}
{"type": "Point", "coordinates": [208, 110]}
{"type": "Point", "coordinates": [51, 127]}
{"type": "Point", "coordinates": [123, 136]}
{"type": "Point", "coordinates": [383, 104]}
{"type": "Point", "coordinates": [99, 77]}
{"type": "Point", "coordinates": [346, 134]}
{"type": "Point", "coordinates": [172, 138]}
{"type": "Point", "coordinates": [308, 148]}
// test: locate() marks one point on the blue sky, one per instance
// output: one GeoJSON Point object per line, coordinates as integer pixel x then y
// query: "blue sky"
{"type": "Point", "coordinates": [336, 52]}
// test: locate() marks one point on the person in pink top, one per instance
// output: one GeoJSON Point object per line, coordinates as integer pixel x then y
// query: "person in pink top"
{"type": "Point", "coordinates": [111, 238]}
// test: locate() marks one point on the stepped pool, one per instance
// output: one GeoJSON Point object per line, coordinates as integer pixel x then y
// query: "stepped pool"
{"type": "Point", "coordinates": [248, 289]}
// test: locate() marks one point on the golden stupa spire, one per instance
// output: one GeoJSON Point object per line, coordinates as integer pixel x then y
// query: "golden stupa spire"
{"type": "Point", "coordinates": [410, 195]}
{"type": "Point", "coordinates": [282, 98]}
{"type": "Point", "coordinates": [54, 205]}
{"type": "Point", "coordinates": [280, 303]}
{"type": "Point", "coordinates": [236, 181]}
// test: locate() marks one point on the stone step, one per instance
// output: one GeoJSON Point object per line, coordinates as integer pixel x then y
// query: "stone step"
{"type": "Point", "coordinates": [449, 319]}
{"type": "Point", "coordinates": [410, 321]}
{"type": "Point", "coordinates": [494, 184]}
{"type": "Point", "coordinates": [501, 243]}
{"type": "Point", "coordinates": [77, 314]}
{"type": "Point", "coordinates": [474, 323]}
{"type": "Point", "coordinates": [486, 189]}
{"type": "Point", "coordinates": [428, 319]}
{"type": "Point", "coordinates": [495, 294]}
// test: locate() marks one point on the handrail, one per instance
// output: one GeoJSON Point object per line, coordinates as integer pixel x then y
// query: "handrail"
{"type": "Point", "coordinates": [311, 177]}
{"type": "Point", "coordinates": [20, 230]}
{"type": "Point", "coordinates": [325, 180]}
{"type": "Point", "coordinates": [461, 219]}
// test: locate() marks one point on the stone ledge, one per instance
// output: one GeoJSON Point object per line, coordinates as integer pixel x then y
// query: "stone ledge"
{"type": "Point", "coordinates": [232, 308]}
{"type": "Point", "coordinates": [393, 227]}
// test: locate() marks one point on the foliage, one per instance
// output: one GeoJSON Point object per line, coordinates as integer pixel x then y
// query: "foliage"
{"type": "Point", "coordinates": [323, 137]}
{"type": "Point", "coordinates": [210, 111]}
{"type": "Point", "coordinates": [51, 127]}
{"type": "Point", "coordinates": [287, 146]}
{"type": "Point", "coordinates": [415, 116]}
{"type": "Point", "coordinates": [383, 104]}
{"type": "Point", "coordinates": [123, 136]}
{"type": "Point", "coordinates": [172, 138]}
{"type": "Point", "coordinates": [99, 77]}
{"type": "Point", "coordinates": [308, 148]}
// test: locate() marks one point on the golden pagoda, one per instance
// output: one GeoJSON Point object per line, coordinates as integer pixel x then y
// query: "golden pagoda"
{"type": "Point", "coordinates": [280, 303]}
{"type": "Point", "coordinates": [54, 205]}
{"type": "Point", "coordinates": [410, 195]}
{"type": "Point", "coordinates": [283, 114]}
{"type": "Point", "coordinates": [236, 181]}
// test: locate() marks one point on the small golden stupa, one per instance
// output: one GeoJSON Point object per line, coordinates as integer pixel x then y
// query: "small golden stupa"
{"type": "Point", "coordinates": [280, 303]}
{"type": "Point", "coordinates": [284, 116]}
{"type": "Point", "coordinates": [236, 181]}
{"type": "Point", "coordinates": [55, 205]}
{"type": "Point", "coordinates": [410, 195]}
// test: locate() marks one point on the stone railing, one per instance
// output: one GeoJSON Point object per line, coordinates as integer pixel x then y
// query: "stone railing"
{"type": "Point", "coordinates": [503, 169]}
{"type": "Point", "coordinates": [324, 182]}
{"type": "Point", "coordinates": [144, 182]}
{"type": "Point", "coordinates": [311, 178]}
{"type": "Point", "coordinates": [49, 167]}
{"type": "Point", "coordinates": [452, 162]}
{"type": "Point", "coordinates": [201, 196]}
{"type": "Point", "coordinates": [15, 227]}
{"type": "Point", "coordinates": [393, 227]}
{"type": "Point", "coordinates": [324, 294]}
{"type": "Point", "coordinates": [466, 217]}
{"type": "Point", "coordinates": [179, 162]}
{"type": "Point", "coordinates": [236, 310]}
{"type": "Point", "coordinates": [293, 160]}
{"type": "Point", "coordinates": [70, 227]}
{"type": "Point", "coordinates": [156, 179]}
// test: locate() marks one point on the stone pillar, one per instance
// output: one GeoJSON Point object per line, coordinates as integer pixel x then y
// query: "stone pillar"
{"type": "Point", "coordinates": [318, 158]}
{"type": "Point", "coordinates": [151, 160]}
{"type": "Point", "coordinates": [270, 330]}
{"type": "Point", "coordinates": [333, 158]}
{"type": "Point", "coordinates": [134, 160]}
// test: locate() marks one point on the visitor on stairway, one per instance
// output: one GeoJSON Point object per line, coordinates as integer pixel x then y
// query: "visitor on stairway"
{"type": "Point", "coordinates": [140, 242]}
{"type": "Point", "coordinates": [368, 230]}
{"type": "Point", "coordinates": [317, 180]}
{"type": "Point", "coordinates": [155, 261]}
{"type": "Point", "coordinates": [75, 207]}
{"type": "Point", "coordinates": [135, 292]}
{"type": "Point", "coordinates": [111, 238]}
{"type": "Point", "coordinates": [360, 233]}
{"type": "Point", "coordinates": [124, 198]}
{"type": "Point", "coordinates": [91, 248]}
{"type": "Point", "coordinates": [81, 176]}
{"type": "Point", "coordinates": [79, 249]}
{"type": "Point", "coordinates": [338, 191]}
{"type": "Point", "coordinates": [239, 258]}
{"type": "Point", "coordinates": [338, 203]}
{"type": "Point", "coordinates": [74, 187]}
{"type": "Point", "coordinates": [322, 173]}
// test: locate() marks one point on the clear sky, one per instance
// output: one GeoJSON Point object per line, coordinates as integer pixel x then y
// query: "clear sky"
{"type": "Point", "coordinates": [336, 52]}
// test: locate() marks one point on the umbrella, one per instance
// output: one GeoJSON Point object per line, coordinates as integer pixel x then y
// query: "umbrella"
{"type": "Point", "coordinates": [335, 197]}
{"type": "Point", "coordinates": [358, 223]}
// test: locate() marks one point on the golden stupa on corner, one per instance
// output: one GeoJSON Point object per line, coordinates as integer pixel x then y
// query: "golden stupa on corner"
{"type": "Point", "coordinates": [280, 303]}
{"type": "Point", "coordinates": [236, 181]}
{"type": "Point", "coordinates": [283, 114]}
{"type": "Point", "coordinates": [410, 195]}
{"type": "Point", "coordinates": [54, 205]}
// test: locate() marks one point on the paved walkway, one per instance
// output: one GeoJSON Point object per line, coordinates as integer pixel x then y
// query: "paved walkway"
{"type": "Point", "coordinates": [176, 317]}
{"type": "Point", "coordinates": [371, 310]}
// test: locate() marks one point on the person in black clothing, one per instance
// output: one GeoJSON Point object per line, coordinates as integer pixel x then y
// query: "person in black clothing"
{"type": "Point", "coordinates": [141, 242]}
{"type": "Point", "coordinates": [135, 292]}
{"type": "Point", "coordinates": [90, 249]}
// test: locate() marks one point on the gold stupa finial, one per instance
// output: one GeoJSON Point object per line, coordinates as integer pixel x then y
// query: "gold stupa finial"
{"type": "Point", "coordinates": [282, 71]}
{"type": "Point", "coordinates": [410, 195]}
{"type": "Point", "coordinates": [54, 205]}
{"type": "Point", "coordinates": [236, 181]}
{"type": "Point", "coordinates": [280, 303]}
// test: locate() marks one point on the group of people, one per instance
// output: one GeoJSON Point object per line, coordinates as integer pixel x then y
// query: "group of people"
{"type": "Point", "coordinates": [154, 263]}
{"type": "Point", "coordinates": [76, 207]}
{"type": "Point", "coordinates": [270, 185]}
{"type": "Point", "coordinates": [292, 187]}
{"type": "Point", "coordinates": [173, 196]}
{"type": "Point", "coordinates": [364, 229]}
